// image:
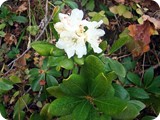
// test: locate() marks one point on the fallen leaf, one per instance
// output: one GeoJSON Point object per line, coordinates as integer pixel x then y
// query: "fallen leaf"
{"type": "Point", "coordinates": [22, 8]}
{"type": "Point", "coordinates": [152, 20]}
{"type": "Point", "coordinates": [141, 38]}
{"type": "Point", "coordinates": [120, 1]}
{"type": "Point", "coordinates": [10, 39]}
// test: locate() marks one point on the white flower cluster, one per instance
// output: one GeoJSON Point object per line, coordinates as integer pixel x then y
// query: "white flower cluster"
{"type": "Point", "coordinates": [1, 118]}
{"type": "Point", "coordinates": [2, 1]}
{"type": "Point", "coordinates": [75, 32]}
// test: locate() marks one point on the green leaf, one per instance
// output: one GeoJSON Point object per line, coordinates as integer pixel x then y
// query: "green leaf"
{"type": "Point", "coordinates": [21, 104]}
{"type": "Point", "coordinates": [51, 81]}
{"type": "Point", "coordinates": [92, 67]}
{"type": "Point", "coordinates": [44, 112]}
{"type": "Point", "coordinates": [66, 117]}
{"type": "Point", "coordinates": [99, 85]}
{"type": "Point", "coordinates": [117, 67]}
{"type": "Point", "coordinates": [138, 93]}
{"type": "Point", "coordinates": [148, 76]}
{"type": "Point", "coordinates": [121, 9]}
{"type": "Point", "coordinates": [71, 4]}
{"type": "Point", "coordinates": [121, 92]}
{"type": "Point", "coordinates": [154, 87]}
{"type": "Point", "coordinates": [96, 115]}
{"type": "Point", "coordinates": [33, 30]}
{"type": "Point", "coordinates": [5, 86]}
{"type": "Point", "coordinates": [54, 61]}
{"type": "Point", "coordinates": [119, 43]}
{"type": "Point", "coordinates": [110, 76]}
{"type": "Point", "coordinates": [138, 104]}
{"type": "Point", "coordinates": [148, 118]}
{"type": "Point", "coordinates": [63, 106]}
{"type": "Point", "coordinates": [128, 63]}
{"type": "Point", "coordinates": [129, 113]}
{"type": "Point", "coordinates": [81, 111]}
{"type": "Point", "coordinates": [55, 91]}
{"type": "Point", "coordinates": [90, 5]}
{"type": "Point", "coordinates": [83, 2]}
{"type": "Point", "coordinates": [35, 84]}
{"type": "Point", "coordinates": [75, 85]}
{"type": "Point", "coordinates": [111, 106]}
{"type": "Point", "coordinates": [134, 78]}
{"type": "Point", "coordinates": [58, 2]}
{"type": "Point", "coordinates": [19, 19]}
{"type": "Point", "coordinates": [43, 48]}
{"type": "Point", "coordinates": [19, 116]}
{"type": "Point", "coordinates": [79, 61]}
{"type": "Point", "coordinates": [3, 110]}
{"type": "Point", "coordinates": [2, 26]}
{"type": "Point", "coordinates": [2, 34]}
{"type": "Point", "coordinates": [66, 63]}
{"type": "Point", "coordinates": [35, 116]}
{"type": "Point", "coordinates": [15, 79]}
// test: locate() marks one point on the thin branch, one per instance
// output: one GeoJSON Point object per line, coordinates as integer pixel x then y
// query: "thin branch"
{"type": "Point", "coordinates": [37, 38]}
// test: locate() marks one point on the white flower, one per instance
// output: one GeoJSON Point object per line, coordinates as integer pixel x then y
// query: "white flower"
{"type": "Point", "coordinates": [1, 118]}
{"type": "Point", "coordinates": [157, 1]}
{"type": "Point", "coordinates": [73, 35]}
{"type": "Point", "coordinates": [158, 117]}
{"type": "Point", "coordinates": [2, 1]}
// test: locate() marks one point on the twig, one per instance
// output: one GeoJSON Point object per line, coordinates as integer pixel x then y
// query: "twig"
{"type": "Point", "coordinates": [37, 38]}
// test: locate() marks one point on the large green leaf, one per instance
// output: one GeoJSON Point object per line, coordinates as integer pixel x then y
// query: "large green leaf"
{"type": "Point", "coordinates": [43, 48]}
{"type": "Point", "coordinates": [66, 117]}
{"type": "Point", "coordinates": [134, 78]}
{"type": "Point", "coordinates": [148, 76]}
{"type": "Point", "coordinates": [75, 85]}
{"type": "Point", "coordinates": [63, 106]}
{"type": "Point", "coordinates": [117, 67]}
{"type": "Point", "coordinates": [81, 111]}
{"type": "Point", "coordinates": [111, 106]}
{"type": "Point", "coordinates": [96, 115]}
{"type": "Point", "coordinates": [129, 113]}
{"type": "Point", "coordinates": [138, 93]}
{"type": "Point", "coordinates": [92, 67]}
{"type": "Point", "coordinates": [99, 85]}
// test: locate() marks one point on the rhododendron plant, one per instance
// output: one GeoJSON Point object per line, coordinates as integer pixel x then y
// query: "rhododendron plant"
{"type": "Point", "coordinates": [75, 32]}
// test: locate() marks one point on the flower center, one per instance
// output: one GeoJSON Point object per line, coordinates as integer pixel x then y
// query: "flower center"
{"type": "Point", "coordinates": [80, 31]}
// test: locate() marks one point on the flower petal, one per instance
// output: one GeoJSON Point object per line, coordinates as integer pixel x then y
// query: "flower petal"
{"type": "Point", "coordinates": [77, 14]}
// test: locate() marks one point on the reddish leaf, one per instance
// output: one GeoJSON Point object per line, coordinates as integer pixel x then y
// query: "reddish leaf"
{"type": "Point", "coordinates": [141, 38]}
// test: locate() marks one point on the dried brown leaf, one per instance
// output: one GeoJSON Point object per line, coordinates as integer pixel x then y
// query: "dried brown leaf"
{"type": "Point", "coordinates": [10, 39]}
